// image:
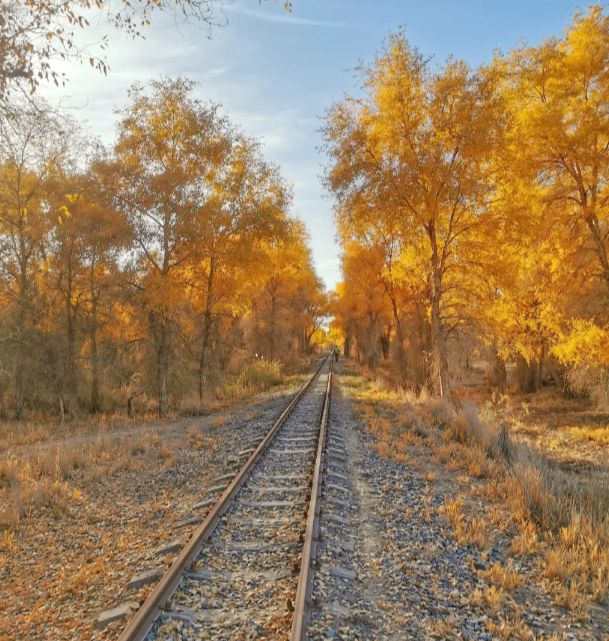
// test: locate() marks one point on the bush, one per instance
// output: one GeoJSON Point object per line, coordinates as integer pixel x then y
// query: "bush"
{"type": "Point", "coordinates": [440, 411]}
{"type": "Point", "coordinates": [593, 382]}
{"type": "Point", "coordinates": [483, 433]}
{"type": "Point", "coordinates": [257, 376]}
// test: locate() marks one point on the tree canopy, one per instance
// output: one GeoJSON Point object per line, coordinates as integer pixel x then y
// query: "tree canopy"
{"type": "Point", "coordinates": [477, 199]}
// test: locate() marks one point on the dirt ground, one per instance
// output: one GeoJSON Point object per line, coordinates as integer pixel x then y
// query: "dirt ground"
{"type": "Point", "coordinates": [99, 504]}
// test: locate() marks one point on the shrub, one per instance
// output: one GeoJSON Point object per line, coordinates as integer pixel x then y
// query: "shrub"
{"type": "Point", "coordinates": [9, 469]}
{"type": "Point", "coordinates": [257, 376]}
{"type": "Point", "coordinates": [585, 380]}
{"type": "Point", "coordinates": [440, 411]}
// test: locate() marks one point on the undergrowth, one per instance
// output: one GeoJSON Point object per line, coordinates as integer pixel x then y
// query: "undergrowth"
{"type": "Point", "coordinates": [257, 376]}
{"type": "Point", "coordinates": [49, 478]}
{"type": "Point", "coordinates": [561, 515]}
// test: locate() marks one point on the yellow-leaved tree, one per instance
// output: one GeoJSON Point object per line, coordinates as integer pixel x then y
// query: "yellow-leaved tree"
{"type": "Point", "coordinates": [416, 150]}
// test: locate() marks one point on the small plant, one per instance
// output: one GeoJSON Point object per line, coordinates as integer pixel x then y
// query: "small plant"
{"type": "Point", "coordinates": [9, 473]}
{"type": "Point", "coordinates": [164, 452]}
{"type": "Point", "coordinates": [527, 539]}
{"type": "Point", "coordinates": [503, 576]}
{"type": "Point", "coordinates": [194, 437]}
{"type": "Point", "coordinates": [493, 596]}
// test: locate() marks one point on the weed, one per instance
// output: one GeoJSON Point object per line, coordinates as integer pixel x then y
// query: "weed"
{"type": "Point", "coordinates": [503, 576]}
{"type": "Point", "coordinates": [164, 452]}
{"type": "Point", "coordinates": [194, 438]}
{"type": "Point", "coordinates": [493, 596]}
{"type": "Point", "coordinates": [467, 530]}
{"type": "Point", "coordinates": [8, 472]}
{"type": "Point", "coordinates": [527, 539]}
{"type": "Point", "coordinates": [138, 449]}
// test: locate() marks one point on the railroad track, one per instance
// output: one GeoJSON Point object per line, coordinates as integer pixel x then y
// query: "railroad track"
{"type": "Point", "coordinates": [246, 573]}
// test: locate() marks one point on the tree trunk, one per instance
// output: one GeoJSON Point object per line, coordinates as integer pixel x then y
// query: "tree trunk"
{"type": "Point", "coordinates": [386, 343]}
{"type": "Point", "coordinates": [69, 384]}
{"type": "Point", "coordinates": [439, 339]}
{"type": "Point", "coordinates": [95, 395]}
{"type": "Point", "coordinates": [21, 349]}
{"type": "Point", "coordinates": [163, 371]}
{"type": "Point", "coordinates": [540, 359]}
{"type": "Point", "coordinates": [207, 322]}
{"type": "Point", "coordinates": [347, 345]}
{"type": "Point", "coordinates": [499, 373]}
{"type": "Point", "coordinates": [527, 375]}
{"type": "Point", "coordinates": [272, 327]}
{"type": "Point", "coordinates": [160, 327]}
{"type": "Point", "coordinates": [130, 406]}
{"type": "Point", "coordinates": [599, 245]}
{"type": "Point", "coordinates": [399, 338]}
{"type": "Point", "coordinates": [19, 400]}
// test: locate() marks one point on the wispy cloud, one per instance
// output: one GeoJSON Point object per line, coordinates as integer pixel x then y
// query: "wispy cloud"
{"type": "Point", "coordinates": [289, 18]}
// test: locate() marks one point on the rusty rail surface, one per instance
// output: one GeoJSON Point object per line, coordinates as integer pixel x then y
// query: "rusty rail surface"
{"type": "Point", "coordinates": [302, 602]}
{"type": "Point", "coordinates": [142, 622]}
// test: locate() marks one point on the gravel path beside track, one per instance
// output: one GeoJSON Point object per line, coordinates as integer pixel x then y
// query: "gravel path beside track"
{"type": "Point", "coordinates": [389, 567]}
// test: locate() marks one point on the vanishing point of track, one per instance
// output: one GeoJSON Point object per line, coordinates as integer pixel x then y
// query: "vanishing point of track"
{"type": "Point", "coordinates": [246, 573]}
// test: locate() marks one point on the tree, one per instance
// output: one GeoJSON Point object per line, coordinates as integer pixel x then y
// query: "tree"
{"type": "Point", "coordinates": [86, 240]}
{"type": "Point", "coordinates": [558, 93]}
{"type": "Point", "coordinates": [366, 314]}
{"type": "Point", "coordinates": [169, 146]}
{"type": "Point", "coordinates": [243, 202]}
{"type": "Point", "coordinates": [288, 298]}
{"type": "Point", "coordinates": [415, 150]}
{"type": "Point", "coordinates": [198, 196]}
{"type": "Point", "coordinates": [150, 259]}
{"type": "Point", "coordinates": [32, 146]}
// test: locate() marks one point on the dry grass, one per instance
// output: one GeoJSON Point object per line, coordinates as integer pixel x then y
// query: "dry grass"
{"type": "Point", "coordinates": [257, 376]}
{"type": "Point", "coordinates": [565, 514]}
{"type": "Point", "coordinates": [588, 433]}
{"type": "Point", "coordinates": [490, 597]}
{"type": "Point", "coordinates": [195, 438]}
{"type": "Point", "coordinates": [49, 477]}
{"type": "Point", "coordinates": [503, 576]}
{"type": "Point", "coordinates": [468, 530]}
{"type": "Point", "coordinates": [441, 629]}
{"type": "Point", "coordinates": [514, 628]}
{"type": "Point", "coordinates": [42, 429]}
{"type": "Point", "coordinates": [526, 541]}
{"type": "Point", "coordinates": [561, 515]}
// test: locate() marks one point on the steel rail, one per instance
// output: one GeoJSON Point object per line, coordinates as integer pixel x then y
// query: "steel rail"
{"type": "Point", "coordinates": [302, 601]}
{"type": "Point", "coordinates": [139, 626]}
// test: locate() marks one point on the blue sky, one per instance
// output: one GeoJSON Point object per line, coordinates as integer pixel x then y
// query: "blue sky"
{"type": "Point", "coordinates": [276, 73]}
